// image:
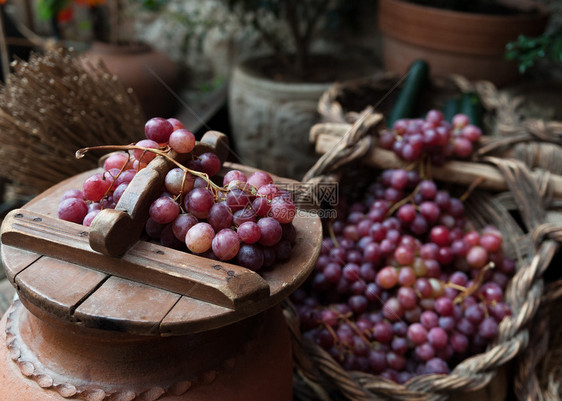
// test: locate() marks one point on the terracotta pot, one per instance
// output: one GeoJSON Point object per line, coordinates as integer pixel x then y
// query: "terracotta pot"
{"type": "Point", "coordinates": [151, 74]}
{"type": "Point", "coordinates": [47, 359]}
{"type": "Point", "coordinates": [271, 119]}
{"type": "Point", "coordinates": [472, 45]}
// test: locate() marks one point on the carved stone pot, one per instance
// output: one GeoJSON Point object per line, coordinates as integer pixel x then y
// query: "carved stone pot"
{"type": "Point", "coordinates": [42, 358]}
{"type": "Point", "coordinates": [271, 119]}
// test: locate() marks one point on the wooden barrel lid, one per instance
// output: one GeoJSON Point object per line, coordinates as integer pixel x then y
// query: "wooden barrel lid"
{"type": "Point", "coordinates": [52, 266]}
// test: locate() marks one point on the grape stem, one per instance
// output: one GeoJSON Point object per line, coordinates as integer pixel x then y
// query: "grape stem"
{"type": "Point", "coordinates": [403, 201]}
{"type": "Point", "coordinates": [356, 330]}
{"type": "Point", "coordinates": [114, 178]}
{"type": "Point", "coordinates": [456, 287]}
{"type": "Point", "coordinates": [398, 204]}
{"type": "Point", "coordinates": [334, 335]}
{"type": "Point", "coordinates": [160, 152]}
{"type": "Point", "coordinates": [475, 284]}
{"type": "Point", "coordinates": [333, 234]}
{"type": "Point", "coordinates": [471, 188]}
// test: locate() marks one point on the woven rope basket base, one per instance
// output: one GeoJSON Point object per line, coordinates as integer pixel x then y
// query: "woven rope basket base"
{"type": "Point", "coordinates": [526, 213]}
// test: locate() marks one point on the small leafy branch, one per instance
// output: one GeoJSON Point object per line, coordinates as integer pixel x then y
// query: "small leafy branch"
{"type": "Point", "coordinates": [528, 50]}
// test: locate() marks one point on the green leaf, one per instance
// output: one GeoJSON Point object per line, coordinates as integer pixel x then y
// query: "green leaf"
{"type": "Point", "coordinates": [85, 25]}
{"type": "Point", "coordinates": [48, 9]}
{"type": "Point", "coordinates": [527, 50]}
{"type": "Point", "coordinates": [152, 5]}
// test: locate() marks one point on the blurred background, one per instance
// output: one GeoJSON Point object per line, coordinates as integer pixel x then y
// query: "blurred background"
{"type": "Point", "coordinates": [256, 69]}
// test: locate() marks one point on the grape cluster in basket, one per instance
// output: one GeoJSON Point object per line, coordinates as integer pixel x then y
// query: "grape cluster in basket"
{"type": "Point", "coordinates": [246, 220]}
{"type": "Point", "coordinates": [403, 285]}
{"type": "Point", "coordinates": [411, 138]}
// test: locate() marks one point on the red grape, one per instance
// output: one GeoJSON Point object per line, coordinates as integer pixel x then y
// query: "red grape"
{"type": "Point", "coordinates": [176, 124]}
{"type": "Point", "coordinates": [182, 224]}
{"type": "Point", "coordinates": [271, 231]}
{"type": "Point", "coordinates": [182, 140]}
{"type": "Point", "coordinates": [164, 210]}
{"type": "Point", "coordinates": [72, 209]}
{"type": "Point", "coordinates": [199, 238]}
{"type": "Point", "coordinates": [249, 232]}
{"type": "Point", "coordinates": [158, 129]}
{"type": "Point", "coordinates": [226, 244]}
{"type": "Point", "coordinates": [142, 155]}
{"type": "Point", "coordinates": [95, 187]}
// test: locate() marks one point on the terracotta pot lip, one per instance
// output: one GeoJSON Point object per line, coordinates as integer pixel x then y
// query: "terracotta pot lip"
{"type": "Point", "coordinates": [454, 31]}
{"type": "Point", "coordinates": [110, 48]}
{"type": "Point", "coordinates": [542, 12]}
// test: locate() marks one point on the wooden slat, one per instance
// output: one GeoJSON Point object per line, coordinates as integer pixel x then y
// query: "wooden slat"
{"type": "Point", "coordinates": [191, 315]}
{"type": "Point", "coordinates": [122, 305]}
{"type": "Point", "coordinates": [16, 260]}
{"type": "Point", "coordinates": [114, 231]}
{"type": "Point", "coordinates": [220, 283]}
{"type": "Point", "coordinates": [305, 252]}
{"type": "Point", "coordinates": [57, 287]}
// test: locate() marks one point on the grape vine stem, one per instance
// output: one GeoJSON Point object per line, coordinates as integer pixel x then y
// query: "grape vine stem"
{"type": "Point", "coordinates": [477, 282]}
{"type": "Point", "coordinates": [160, 152]}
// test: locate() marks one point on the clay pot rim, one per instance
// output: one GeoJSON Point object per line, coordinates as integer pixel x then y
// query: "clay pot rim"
{"type": "Point", "coordinates": [435, 12]}
{"type": "Point", "coordinates": [453, 31]}
{"type": "Point", "coordinates": [123, 49]}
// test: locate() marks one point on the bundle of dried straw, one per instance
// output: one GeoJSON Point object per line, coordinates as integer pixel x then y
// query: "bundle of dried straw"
{"type": "Point", "coordinates": [53, 105]}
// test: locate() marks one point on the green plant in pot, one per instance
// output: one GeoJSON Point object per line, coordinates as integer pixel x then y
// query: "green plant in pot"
{"type": "Point", "coordinates": [273, 97]}
{"type": "Point", "coordinates": [462, 37]}
{"type": "Point", "coordinates": [148, 72]}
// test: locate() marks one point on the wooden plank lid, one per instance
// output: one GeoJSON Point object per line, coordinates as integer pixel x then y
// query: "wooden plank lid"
{"type": "Point", "coordinates": [149, 289]}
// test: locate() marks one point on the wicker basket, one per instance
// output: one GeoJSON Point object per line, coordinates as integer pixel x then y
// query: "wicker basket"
{"type": "Point", "coordinates": [546, 378]}
{"type": "Point", "coordinates": [531, 238]}
{"type": "Point", "coordinates": [507, 133]}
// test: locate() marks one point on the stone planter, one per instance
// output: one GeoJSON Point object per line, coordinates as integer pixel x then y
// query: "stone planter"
{"type": "Point", "coordinates": [472, 45]}
{"type": "Point", "coordinates": [271, 120]}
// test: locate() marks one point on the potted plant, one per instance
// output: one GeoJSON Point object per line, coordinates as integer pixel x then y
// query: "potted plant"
{"type": "Point", "coordinates": [463, 37]}
{"type": "Point", "coordinates": [273, 97]}
{"type": "Point", "coordinates": [148, 72]}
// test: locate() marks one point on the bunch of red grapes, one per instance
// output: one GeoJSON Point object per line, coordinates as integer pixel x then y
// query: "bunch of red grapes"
{"type": "Point", "coordinates": [247, 220]}
{"type": "Point", "coordinates": [403, 286]}
{"type": "Point", "coordinates": [411, 138]}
